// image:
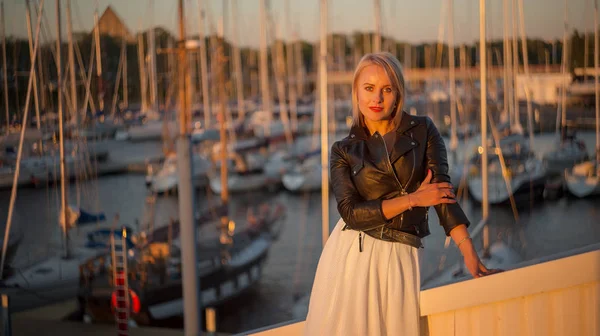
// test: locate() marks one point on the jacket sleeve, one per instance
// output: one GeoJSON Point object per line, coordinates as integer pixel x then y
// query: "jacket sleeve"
{"type": "Point", "coordinates": [358, 213]}
{"type": "Point", "coordinates": [450, 215]}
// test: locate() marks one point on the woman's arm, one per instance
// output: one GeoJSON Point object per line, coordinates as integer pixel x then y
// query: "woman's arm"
{"type": "Point", "coordinates": [450, 215]}
{"type": "Point", "coordinates": [427, 195]}
{"type": "Point", "coordinates": [463, 240]}
{"type": "Point", "coordinates": [361, 214]}
{"type": "Point", "coordinates": [395, 206]}
{"type": "Point", "coordinates": [358, 213]}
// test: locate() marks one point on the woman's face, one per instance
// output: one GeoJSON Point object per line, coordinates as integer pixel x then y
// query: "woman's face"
{"type": "Point", "coordinates": [376, 97]}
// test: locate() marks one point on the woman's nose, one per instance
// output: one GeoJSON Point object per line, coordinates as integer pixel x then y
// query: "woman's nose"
{"type": "Point", "coordinates": [378, 97]}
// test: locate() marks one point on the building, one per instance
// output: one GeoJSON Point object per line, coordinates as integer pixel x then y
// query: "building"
{"type": "Point", "coordinates": [111, 24]}
{"type": "Point", "coordinates": [545, 88]}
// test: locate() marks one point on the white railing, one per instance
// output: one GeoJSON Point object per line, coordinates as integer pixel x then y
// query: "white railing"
{"type": "Point", "coordinates": [550, 298]}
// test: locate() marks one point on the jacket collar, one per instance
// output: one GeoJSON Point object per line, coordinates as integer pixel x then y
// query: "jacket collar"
{"type": "Point", "coordinates": [406, 123]}
{"type": "Point", "coordinates": [403, 143]}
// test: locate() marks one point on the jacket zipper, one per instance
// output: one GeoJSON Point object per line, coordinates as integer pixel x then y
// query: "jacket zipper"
{"type": "Point", "coordinates": [402, 189]}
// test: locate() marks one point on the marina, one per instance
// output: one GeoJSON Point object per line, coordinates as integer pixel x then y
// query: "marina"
{"type": "Point", "coordinates": [179, 180]}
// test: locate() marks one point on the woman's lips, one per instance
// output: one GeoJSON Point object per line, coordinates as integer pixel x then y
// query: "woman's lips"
{"type": "Point", "coordinates": [376, 109]}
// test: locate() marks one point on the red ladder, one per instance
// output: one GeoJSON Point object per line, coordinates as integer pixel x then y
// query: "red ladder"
{"type": "Point", "coordinates": [119, 261]}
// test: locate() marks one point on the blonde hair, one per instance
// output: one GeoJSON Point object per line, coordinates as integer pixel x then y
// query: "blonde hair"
{"type": "Point", "coordinates": [393, 69]}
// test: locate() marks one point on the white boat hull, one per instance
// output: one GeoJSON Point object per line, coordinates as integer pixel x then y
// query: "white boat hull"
{"type": "Point", "coordinates": [167, 178]}
{"type": "Point", "coordinates": [53, 272]}
{"type": "Point", "coordinates": [308, 180]}
{"type": "Point", "coordinates": [583, 186]}
{"type": "Point", "coordinates": [242, 183]}
{"type": "Point", "coordinates": [498, 191]}
{"type": "Point", "coordinates": [152, 130]}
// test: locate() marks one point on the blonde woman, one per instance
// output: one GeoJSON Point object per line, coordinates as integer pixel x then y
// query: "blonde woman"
{"type": "Point", "coordinates": [385, 175]}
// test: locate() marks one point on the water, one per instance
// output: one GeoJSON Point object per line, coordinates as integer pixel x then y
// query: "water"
{"type": "Point", "coordinates": [546, 228]}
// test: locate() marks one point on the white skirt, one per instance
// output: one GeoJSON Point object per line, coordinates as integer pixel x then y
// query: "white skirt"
{"type": "Point", "coordinates": [373, 292]}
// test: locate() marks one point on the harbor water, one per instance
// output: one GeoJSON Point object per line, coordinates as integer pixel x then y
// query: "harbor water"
{"type": "Point", "coordinates": [542, 229]}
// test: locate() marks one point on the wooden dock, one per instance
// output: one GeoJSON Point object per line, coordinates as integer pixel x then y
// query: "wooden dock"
{"type": "Point", "coordinates": [36, 327]}
{"type": "Point", "coordinates": [51, 320]}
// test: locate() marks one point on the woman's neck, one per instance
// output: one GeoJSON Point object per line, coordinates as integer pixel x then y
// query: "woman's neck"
{"type": "Point", "coordinates": [382, 127]}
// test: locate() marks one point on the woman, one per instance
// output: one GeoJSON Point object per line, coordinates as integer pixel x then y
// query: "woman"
{"type": "Point", "coordinates": [385, 175]}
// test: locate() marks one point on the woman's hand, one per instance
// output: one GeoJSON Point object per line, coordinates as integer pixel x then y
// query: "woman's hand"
{"type": "Point", "coordinates": [430, 194]}
{"type": "Point", "coordinates": [476, 267]}
{"type": "Point", "coordinates": [463, 241]}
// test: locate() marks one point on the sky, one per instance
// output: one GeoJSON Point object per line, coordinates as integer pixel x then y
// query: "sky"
{"type": "Point", "coordinates": [414, 21]}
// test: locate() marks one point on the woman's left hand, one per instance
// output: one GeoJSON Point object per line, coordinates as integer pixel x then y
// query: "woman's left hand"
{"type": "Point", "coordinates": [476, 267]}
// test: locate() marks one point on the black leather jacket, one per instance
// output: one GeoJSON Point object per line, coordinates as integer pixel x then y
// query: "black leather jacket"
{"type": "Point", "coordinates": [364, 172]}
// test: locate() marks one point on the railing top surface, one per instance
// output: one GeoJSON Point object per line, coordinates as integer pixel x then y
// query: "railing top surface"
{"type": "Point", "coordinates": [562, 270]}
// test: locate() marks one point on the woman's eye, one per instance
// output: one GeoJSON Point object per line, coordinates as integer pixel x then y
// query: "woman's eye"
{"type": "Point", "coordinates": [369, 88]}
{"type": "Point", "coordinates": [388, 90]}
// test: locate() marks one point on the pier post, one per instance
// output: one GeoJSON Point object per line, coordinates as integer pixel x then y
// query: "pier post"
{"type": "Point", "coordinates": [6, 325]}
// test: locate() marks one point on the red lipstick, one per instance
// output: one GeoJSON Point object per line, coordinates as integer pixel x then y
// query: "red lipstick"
{"type": "Point", "coordinates": [376, 109]}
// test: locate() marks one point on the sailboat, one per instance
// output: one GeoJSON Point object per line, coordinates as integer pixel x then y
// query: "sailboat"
{"type": "Point", "coordinates": [158, 265]}
{"type": "Point", "coordinates": [250, 167]}
{"type": "Point", "coordinates": [229, 259]}
{"type": "Point", "coordinates": [154, 124]}
{"type": "Point", "coordinates": [584, 179]}
{"type": "Point", "coordinates": [516, 171]}
{"type": "Point", "coordinates": [497, 255]}
{"type": "Point", "coordinates": [306, 173]}
{"type": "Point", "coordinates": [522, 176]}
{"type": "Point", "coordinates": [256, 166]}
{"type": "Point", "coordinates": [59, 270]}
{"type": "Point", "coordinates": [166, 179]}
{"type": "Point", "coordinates": [306, 176]}
{"type": "Point", "coordinates": [569, 150]}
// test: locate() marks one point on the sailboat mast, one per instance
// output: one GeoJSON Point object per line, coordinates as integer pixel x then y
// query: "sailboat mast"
{"type": "Point", "coordinates": [596, 83]}
{"type": "Point", "coordinates": [143, 78]}
{"type": "Point", "coordinates": [485, 203]}
{"type": "Point", "coordinates": [324, 123]}
{"type": "Point", "coordinates": [61, 138]}
{"type": "Point", "coordinates": [300, 66]}
{"type": "Point", "coordinates": [13, 194]}
{"type": "Point", "coordinates": [565, 66]}
{"type": "Point", "coordinates": [264, 68]}
{"type": "Point", "coordinates": [98, 61]}
{"type": "Point", "coordinates": [203, 67]}
{"type": "Point", "coordinates": [35, 89]}
{"type": "Point", "coordinates": [87, 79]}
{"type": "Point", "coordinates": [506, 64]}
{"type": "Point", "coordinates": [124, 72]}
{"type": "Point", "coordinates": [237, 62]}
{"type": "Point", "coordinates": [526, 70]}
{"type": "Point", "coordinates": [219, 68]}
{"type": "Point", "coordinates": [279, 71]}
{"type": "Point", "coordinates": [40, 72]}
{"type": "Point", "coordinates": [191, 282]}
{"type": "Point", "coordinates": [291, 79]}
{"type": "Point", "coordinates": [4, 71]}
{"type": "Point", "coordinates": [152, 55]}
{"type": "Point", "coordinates": [377, 37]}
{"type": "Point", "coordinates": [74, 113]}
{"type": "Point", "coordinates": [586, 43]}
{"type": "Point", "coordinates": [515, 63]}
{"type": "Point", "coordinates": [452, 78]}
